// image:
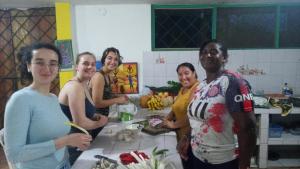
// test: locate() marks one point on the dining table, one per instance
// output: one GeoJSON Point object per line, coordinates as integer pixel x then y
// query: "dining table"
{"type": "Point", "coordinates": [106, 143]}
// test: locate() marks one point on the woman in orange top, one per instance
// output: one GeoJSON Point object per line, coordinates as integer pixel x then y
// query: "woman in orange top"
{"type": "Point", "coordinates": [177, 118]}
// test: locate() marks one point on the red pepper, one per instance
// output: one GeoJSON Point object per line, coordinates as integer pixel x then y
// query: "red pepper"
{"type": "Point", "coordinates": [127, 158]}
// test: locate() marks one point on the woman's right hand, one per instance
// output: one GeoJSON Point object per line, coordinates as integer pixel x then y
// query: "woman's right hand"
{"type": "Point", "coordinates": [168, 123]}
{"type": "Point", "coordinates": [80, 140]}
{"type": "Point", "coordinates": [182, 147]}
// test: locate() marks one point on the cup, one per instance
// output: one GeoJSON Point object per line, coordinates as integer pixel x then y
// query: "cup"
{"type": "Point", "coordinates": [128, 108]}
{"type": "Point", "coordinates": [125, 116]}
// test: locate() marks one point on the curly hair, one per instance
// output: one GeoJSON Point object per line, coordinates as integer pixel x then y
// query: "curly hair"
{"type": "Point", "coordinates": [114, 50]}
{"type": "Point", "coordinates": [25, 56]}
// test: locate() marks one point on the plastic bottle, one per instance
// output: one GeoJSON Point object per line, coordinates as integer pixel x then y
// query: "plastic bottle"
{"type": "Point", "coordinates": [286, 90]}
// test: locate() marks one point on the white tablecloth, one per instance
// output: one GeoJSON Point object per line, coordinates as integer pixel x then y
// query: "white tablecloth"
{"type": "Point", "coordinates": [107, 145]}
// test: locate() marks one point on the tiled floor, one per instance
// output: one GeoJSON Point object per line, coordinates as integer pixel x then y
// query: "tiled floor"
{"type": "Point", "coordinates": [3, 163]}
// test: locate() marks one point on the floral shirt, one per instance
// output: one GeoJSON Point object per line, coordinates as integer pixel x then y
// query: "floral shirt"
{"type": "Point", "coordinates": [213, 129]}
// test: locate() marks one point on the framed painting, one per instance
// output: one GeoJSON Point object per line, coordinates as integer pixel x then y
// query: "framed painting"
{"type": "Point", "coordinates": [125, 79]}
{"type": "Point", "coordinates": [65, 48]}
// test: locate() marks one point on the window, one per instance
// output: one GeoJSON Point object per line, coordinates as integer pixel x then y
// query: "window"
{"type": "Point", "coordinates": [182, 28]}
{"type": "Point", "coordinates": [247, 27]}
{"type": "Point", "coordinates": [289, 26]}
{"type": "Point", "coordinates": [238, 26]}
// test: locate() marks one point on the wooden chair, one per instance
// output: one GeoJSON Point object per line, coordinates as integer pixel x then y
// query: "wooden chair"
{"type": "Point", "coordinates": [10, 165]}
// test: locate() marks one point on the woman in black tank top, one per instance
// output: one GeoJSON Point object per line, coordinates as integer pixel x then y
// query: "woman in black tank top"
{"type": "Point", "coordinates": [101, 83]}
{"type": "Point", "coordinates": [76, 101]}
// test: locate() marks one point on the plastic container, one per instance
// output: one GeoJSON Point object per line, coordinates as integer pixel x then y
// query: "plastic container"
{"type": "Point", "coordinates": [135, 127]}
{"type": "Point", "coordinates": [125, 117]}
{"type": "Point", "coordinates": [275, 131]}
{"type": "Point", "coordinates": [286, 90]}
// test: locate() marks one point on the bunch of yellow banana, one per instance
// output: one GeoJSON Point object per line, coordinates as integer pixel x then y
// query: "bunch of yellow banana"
{"type": "Point", "coordinates": [155, 103]}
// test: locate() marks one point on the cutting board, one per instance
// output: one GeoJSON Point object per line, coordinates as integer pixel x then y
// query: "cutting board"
{"type": "Point", "coordinates": [153, 130]}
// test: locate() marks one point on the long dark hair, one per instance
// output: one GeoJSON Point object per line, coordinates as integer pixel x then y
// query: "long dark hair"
{"type": "Point", "coordinates": [25, 55]}
{"type": "Point", "coordinates": [114, 50]}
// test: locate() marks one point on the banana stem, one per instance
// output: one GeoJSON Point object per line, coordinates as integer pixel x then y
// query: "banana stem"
{"type": "Point", "coordinates": [76, 126]}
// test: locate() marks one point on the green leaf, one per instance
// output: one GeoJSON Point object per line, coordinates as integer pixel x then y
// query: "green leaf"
{"type": "Point", "coordinates": [154, 151]}
{"type": "Point", "coordinates": [160, 152]}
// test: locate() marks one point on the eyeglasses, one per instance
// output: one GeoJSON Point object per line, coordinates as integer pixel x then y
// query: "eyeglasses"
{"type": "Point", "coordinates": [51, 65]}
{"type": "Point", "coordinates": [212, 52]}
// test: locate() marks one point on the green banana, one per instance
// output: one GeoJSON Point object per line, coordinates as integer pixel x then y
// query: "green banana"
{"type": "Point", "coordinates": [76, 126]}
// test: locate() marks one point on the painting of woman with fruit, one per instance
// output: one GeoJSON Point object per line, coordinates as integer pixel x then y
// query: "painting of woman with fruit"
{"type": "Point", "coordinates": [126, 79]}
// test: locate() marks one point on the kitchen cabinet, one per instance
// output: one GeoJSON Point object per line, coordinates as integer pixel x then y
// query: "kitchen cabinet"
{"type": "Point", "coordinates": [263, 141]}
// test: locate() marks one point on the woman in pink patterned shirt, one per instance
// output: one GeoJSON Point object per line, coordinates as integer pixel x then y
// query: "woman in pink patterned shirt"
{"type": "Point", "coordinates": [221, 115]}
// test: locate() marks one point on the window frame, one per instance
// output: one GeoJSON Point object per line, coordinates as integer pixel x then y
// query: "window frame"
{"type": "Point", "coordinates": [214, 8]}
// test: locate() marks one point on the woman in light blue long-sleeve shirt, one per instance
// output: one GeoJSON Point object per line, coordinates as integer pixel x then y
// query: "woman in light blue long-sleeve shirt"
{"type": "Point", "coordinates": [35, 135]}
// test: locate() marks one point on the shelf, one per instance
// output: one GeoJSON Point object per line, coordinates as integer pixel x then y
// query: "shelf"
{"type": "Point", "coordinates": [284, 162]}
{"type": "Point", "coordinates": [285, 139]}
{"type": "Point", "coordinates": [296, 110]}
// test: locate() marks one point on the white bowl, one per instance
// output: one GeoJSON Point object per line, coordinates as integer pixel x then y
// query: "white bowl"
{"type": "Point", "coordinates": [137, 127]}
{"type": "Point", "coordinates": [130, 133]}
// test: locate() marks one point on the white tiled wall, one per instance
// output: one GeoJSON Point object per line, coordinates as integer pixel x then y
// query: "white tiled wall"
{"type": "Point", "coordinates": [279, 65]}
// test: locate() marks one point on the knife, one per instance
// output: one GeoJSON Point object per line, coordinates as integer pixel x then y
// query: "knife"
{"type": "Point", "coordinates": [106, 158]}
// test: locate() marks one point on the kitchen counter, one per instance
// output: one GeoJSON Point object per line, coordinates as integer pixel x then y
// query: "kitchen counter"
{"type": "Point", "coordinates": [106, 144]}
{"type": "Point", "coordinates": [274, 110]}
